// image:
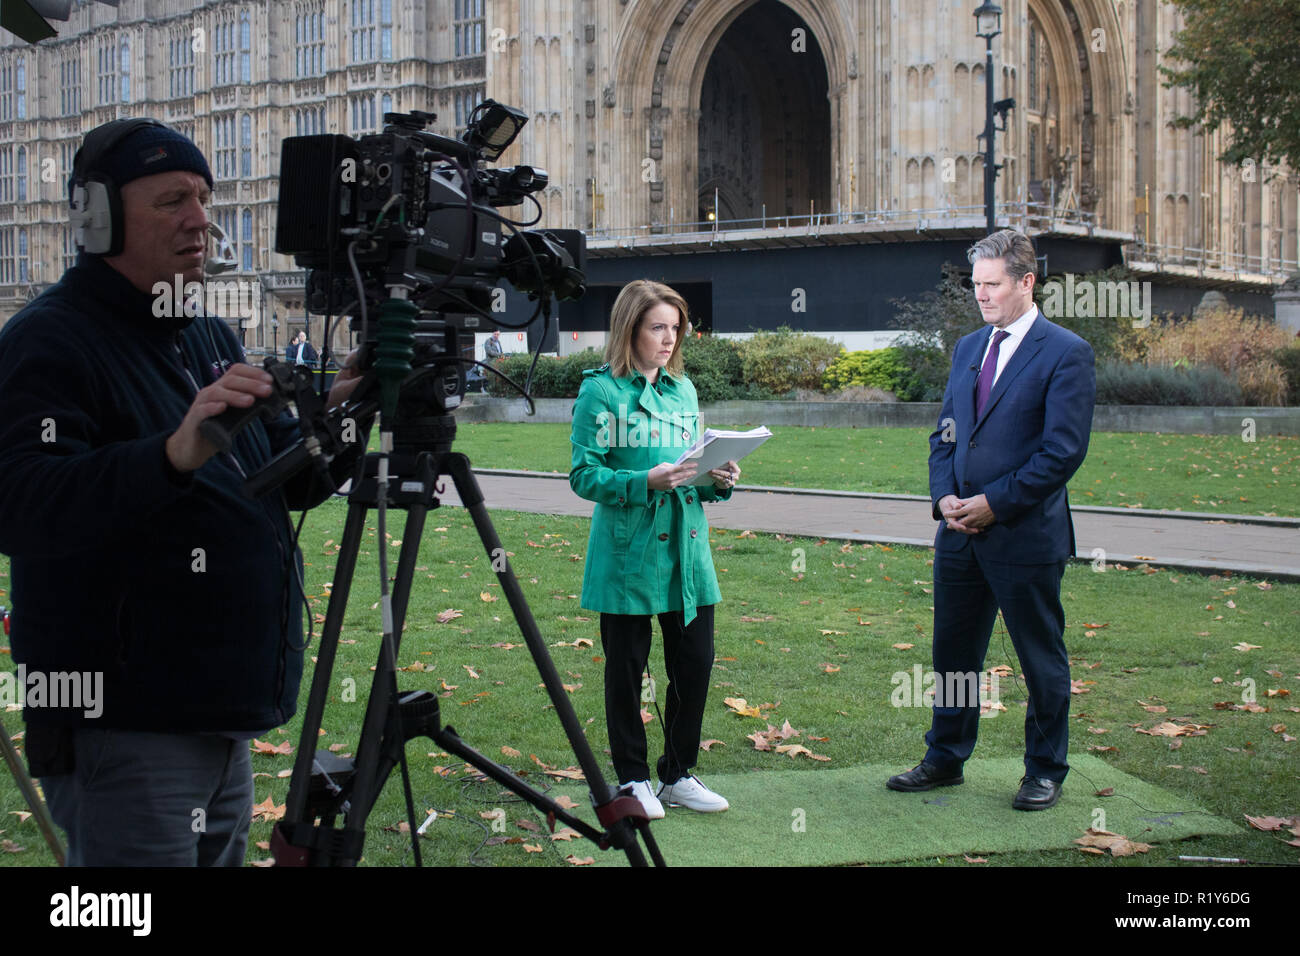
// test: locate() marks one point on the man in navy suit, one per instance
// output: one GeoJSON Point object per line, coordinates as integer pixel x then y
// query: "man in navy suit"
{"type": "Point", "coordinates": [1013, 430]}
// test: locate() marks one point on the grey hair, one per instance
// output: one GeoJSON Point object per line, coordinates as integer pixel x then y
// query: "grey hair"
{"type": "Point", "coordinates": [1012, 247]}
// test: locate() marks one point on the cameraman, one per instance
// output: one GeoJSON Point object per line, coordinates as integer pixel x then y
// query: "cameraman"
{"type": "Point", "coordinates": [138, 563]}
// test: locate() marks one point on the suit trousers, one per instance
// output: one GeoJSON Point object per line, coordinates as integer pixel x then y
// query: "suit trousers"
{"type": "Point", "coordinates": [688, 660]}
{"type": "Point", "coordinates": [968, 591]}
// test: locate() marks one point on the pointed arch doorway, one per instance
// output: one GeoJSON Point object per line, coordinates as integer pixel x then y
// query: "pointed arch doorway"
{"type": "Point", "coordinates": [764, 127]}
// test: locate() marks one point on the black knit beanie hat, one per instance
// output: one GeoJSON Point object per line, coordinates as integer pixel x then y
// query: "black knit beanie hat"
{"type": "Point", "coordinates": [147, 151]}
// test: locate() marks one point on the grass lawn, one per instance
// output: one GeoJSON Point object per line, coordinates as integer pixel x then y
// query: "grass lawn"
{"type": "Point", "coordinates": [1211, 473]}
{"type": "Point", "coordinates": [817, 647]}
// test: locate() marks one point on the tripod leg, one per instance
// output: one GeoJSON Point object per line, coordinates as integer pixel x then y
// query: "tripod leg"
{"type": "Point", "coordinates": [296, 803]}
{"type": "Point", "coordinates": [376, 756]}
{"type": "Point", "coordinates": [31, 795]}
{"type": "Point", "coordinates": [471, 496]}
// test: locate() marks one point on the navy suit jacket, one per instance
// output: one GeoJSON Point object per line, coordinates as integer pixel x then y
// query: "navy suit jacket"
{"type": "Point", "coordinates": [1030, 440]}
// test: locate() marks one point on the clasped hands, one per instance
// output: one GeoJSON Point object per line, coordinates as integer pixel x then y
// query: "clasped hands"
{"type": "Point", "coordinates": [668, 476]}
{"type": "Point", "coordinates": [966, 515]}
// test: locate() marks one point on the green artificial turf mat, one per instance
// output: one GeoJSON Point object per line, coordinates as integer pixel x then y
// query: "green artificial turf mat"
{"type": "Point", "coordinates": [846, 815]}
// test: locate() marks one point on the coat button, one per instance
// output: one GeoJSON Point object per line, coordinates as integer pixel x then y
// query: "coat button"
{"type": "Point", "coordinates": [620, 499]}
{"type": "Point", "coordinates": [972, 444]}
{"type": "Point", "coordinates": [690, 499]}
{"type": "Point", "coordinates": [693, 532]}
{"type": "Point", "coordinates": [654, 433]}
{"type": "Point", "coordinates": [686, 435]}
{"type": "Point", "coordinates": [663, 537]}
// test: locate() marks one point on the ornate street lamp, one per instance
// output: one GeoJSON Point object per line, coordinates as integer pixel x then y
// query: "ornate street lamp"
{"type": "Point", "coordinates": [988, 24]}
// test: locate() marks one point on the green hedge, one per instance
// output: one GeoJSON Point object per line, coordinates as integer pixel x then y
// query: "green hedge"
{"type": "Point", "coordinates": [713, 365]}
{"type": "Point", "coordinates": [784, 360]}
{"type": "Point", "coordinates": [716, 369]}
{"type": "Point", "coordinates": [776, 363]}
{"type": "Point", "coordinates": [554, 377]}
{"type": "Point", "coordinates": [885, 369]}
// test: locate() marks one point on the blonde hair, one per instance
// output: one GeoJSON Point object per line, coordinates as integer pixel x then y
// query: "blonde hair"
{"type": "Point", "coordinates": [633, 302]}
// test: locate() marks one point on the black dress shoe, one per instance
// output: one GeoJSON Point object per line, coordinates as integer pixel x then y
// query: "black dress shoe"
{"type": "Point", "coordinates": [1037, 793]}
{"type": "Point", "coordinates": [924, 776]}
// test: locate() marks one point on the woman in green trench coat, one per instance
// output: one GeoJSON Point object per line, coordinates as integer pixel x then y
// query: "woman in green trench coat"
{"type": "Point", "coordinates": [649, 548]}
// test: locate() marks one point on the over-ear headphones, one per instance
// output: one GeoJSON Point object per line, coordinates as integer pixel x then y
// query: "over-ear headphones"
{"type": "Point", "coordinates": [96, 202]}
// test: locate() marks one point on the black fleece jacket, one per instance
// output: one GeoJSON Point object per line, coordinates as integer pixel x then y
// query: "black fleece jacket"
{"type": "Point", "coordinates": [181, 591]}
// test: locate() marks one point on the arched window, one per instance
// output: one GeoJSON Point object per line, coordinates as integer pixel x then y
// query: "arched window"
{"type": "Point", "coordinates": [22, 255]}
{"type": "Point", "coordinates": [246, 146]}
{"type": "Point", "coordinates": [126, 70]}
{"type": "Point", "coordinates": [318, 51]}
{"type": "Point", "coordinates": [6, 176]}
{"type": "Point", "coordinates": [387, 105]}
{"type": "Point", "coordinates": [21, 162]}
{"type": "Point", "coordinates": [20, 87]}
{"type": "Point", "coordinates": [363, 30]}
{"type": "Point", "coordinates": [245, 49]}
{"type": "Point", "coordinates": [246, 240]}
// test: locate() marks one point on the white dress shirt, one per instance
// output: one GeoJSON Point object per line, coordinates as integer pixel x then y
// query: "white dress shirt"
{"type": "Point", "coordinates": [1016, 333]}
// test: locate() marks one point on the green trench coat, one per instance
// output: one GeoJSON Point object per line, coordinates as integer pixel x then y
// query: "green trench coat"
{"type": "Point", "coordinates": [649, 550]}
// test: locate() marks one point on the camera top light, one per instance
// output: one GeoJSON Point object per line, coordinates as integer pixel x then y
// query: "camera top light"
{"type": "Point", "coordinates": [494, 129]}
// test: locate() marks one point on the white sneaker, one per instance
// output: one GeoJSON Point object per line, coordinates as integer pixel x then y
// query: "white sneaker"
{"type": "Point", "coordinates": [690, 793]}
{"type": "Point", "coordinates": [649, 802]}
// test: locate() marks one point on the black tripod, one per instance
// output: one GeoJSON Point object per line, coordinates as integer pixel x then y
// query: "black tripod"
{"type": "Point", "coordinates": [325, 786]}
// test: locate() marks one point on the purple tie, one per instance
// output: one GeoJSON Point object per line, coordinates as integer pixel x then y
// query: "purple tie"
{"type": "Point", "coordinates": [985, 383]}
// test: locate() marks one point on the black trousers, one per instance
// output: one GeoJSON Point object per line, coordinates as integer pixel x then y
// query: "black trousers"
{"type": "Point", "coordinates": [688, 660]}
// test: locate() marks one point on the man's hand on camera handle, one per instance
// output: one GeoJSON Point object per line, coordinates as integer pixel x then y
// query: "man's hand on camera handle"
{"type": "Point", "coordinates": [242, 384]}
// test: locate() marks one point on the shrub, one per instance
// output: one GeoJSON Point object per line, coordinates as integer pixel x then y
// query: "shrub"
{"type": "Point", "coordinates": [784, 360]}
{"type": "Point", "coordinates": [929, 368]}
{"type": "Point", "coordinates": [568, 377]}
{"type": "Point", "coordinates": [714, 367]}
{"type": "Point", "coordinates": [935, 320]}
{"type": "Point", "coordinates": [854, 393]}
{"type": "Point", "coordinates": [1242, 347]}
{"type": "Point", "coordinates": [1288, 360]}
{"type": "Point", "coordinates": [938, 318]}
{"type": "Point", "coordinates": [883, 369]}
{"type": "Point", "coordinates": [1124, 383]}
{"type": "Point", "coordinates": [1112, 337]}
{"type": "Point", "coordinates": [553, 378]}
{"type": "Point", "coordinates": [514, 366]}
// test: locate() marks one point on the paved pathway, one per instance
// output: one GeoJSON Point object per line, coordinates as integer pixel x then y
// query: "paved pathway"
{"type": "Point", "coordinates": [1265, 547]}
